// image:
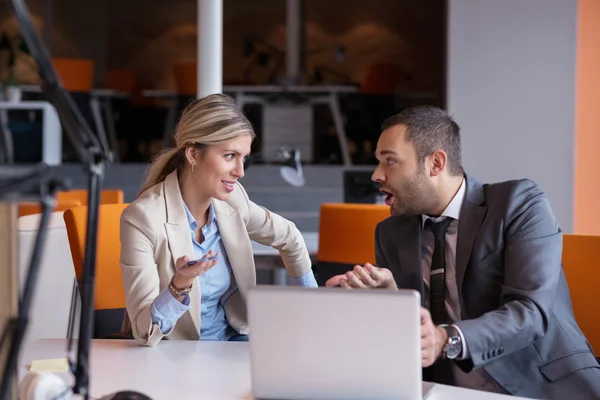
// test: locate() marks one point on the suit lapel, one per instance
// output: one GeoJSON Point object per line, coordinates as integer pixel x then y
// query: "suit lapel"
{"type": "Point", "coordinates": [472, 213]}
{"type": "Point", "coordinates": [409, 253]}
{"type": "Point", "coordinates": [409, 246]}
{"type": "Point", "coordinates": [179, 237]}
{"type": "Point", "coordinates": [239, 250]}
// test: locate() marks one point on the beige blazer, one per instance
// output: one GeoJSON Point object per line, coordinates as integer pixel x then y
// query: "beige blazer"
{"type": "Point", "coordinates": [155, 233]}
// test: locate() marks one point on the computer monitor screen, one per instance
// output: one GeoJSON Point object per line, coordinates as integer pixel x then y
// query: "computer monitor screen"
{"type": "Point", "coordinates": [359, 188]}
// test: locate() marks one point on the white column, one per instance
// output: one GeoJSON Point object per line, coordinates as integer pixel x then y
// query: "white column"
{"type": "Point", "coordinates": [210, 47]}
{"type": "Point", "coordinates": [293, 54]}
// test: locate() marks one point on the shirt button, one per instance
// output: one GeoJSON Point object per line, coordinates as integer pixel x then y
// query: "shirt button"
{"type": "Point", "coordinates": [450, 281]}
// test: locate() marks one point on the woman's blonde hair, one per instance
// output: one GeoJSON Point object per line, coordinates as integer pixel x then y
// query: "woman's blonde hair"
{"type": "Point", "coordinates": [207, 121]}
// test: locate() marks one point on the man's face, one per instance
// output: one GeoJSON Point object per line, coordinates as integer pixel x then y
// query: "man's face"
{"type": "Point", "coordinates": [406, 183]}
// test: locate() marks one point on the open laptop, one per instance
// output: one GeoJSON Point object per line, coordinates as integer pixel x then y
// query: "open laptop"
{"type": "Point", "coordinates": [331, 343]}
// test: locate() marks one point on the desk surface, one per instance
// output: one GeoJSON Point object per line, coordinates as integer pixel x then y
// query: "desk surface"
{"type": "Point", "coordinates": [311, 239]}
{"type": "Point", "coordinates": [184, 369]}
{"type": "Point", "coordinates": [27, 105]}
{"type": "Point", "coordinates": [93, 92]}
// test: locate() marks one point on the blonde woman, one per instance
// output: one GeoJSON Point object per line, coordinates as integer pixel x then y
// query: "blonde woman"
{"type": "Point", "coordinates": [186, 257]}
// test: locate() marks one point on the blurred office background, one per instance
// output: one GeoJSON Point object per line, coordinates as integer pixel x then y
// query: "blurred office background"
{"type": "Point", "coordinates": [376, 60]}
{"type": "Point", "coordinates": [392, 53]}
{"type": "Point", "coordinates": [316, 78]}
{"type": "Point", "coordinates": [506, 70]}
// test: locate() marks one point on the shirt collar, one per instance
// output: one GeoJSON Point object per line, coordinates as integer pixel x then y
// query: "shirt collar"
{"type": "Point", "coordinates": [453, 209]}
{"type": "Point", "coordinates": [192, 221]}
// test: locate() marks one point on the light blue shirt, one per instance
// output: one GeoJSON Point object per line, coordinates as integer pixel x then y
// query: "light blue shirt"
{"type": "Point", "coordinates": [216, 286]}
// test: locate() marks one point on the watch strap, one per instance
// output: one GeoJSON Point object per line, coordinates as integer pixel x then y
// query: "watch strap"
{"type": "Point", "coordinates": [452, 332]}
{"type": "Point", "coordinates": [453, 339]}
{"type": "Point", "coordinates": [176, 292]}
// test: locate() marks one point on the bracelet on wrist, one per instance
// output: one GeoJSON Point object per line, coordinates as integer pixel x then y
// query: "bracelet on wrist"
{"type": "Point", "coordinates": [177, 292]}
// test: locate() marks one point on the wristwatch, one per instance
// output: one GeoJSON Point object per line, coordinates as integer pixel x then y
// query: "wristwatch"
{"type": "Point", "coordinates": [178, 292]}
{"type": "Point", "coordinates": [454, 346]}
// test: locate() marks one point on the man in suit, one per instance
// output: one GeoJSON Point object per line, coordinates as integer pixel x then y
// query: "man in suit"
{"type": "Point", "coordinates": [486, 259]}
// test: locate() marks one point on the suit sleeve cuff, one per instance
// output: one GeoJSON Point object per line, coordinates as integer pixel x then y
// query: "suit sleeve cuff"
{"type": "Point", "coordinates": [465, 350]}
{"type": "Point", "coordinates": [307, 280]}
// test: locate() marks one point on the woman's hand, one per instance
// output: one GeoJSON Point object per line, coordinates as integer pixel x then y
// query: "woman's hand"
{"type": "Point", "coordinates": [187, 270]}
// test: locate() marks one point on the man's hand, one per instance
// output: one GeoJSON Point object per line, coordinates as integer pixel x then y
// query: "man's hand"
{"type": "Point", "coordinates": [433, 339]}
{"type": "Point", "coordinates": [367, 277]}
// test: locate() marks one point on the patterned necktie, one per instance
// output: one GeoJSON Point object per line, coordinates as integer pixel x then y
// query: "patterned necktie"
{"type": "Point", "coordinates": [437, 275]}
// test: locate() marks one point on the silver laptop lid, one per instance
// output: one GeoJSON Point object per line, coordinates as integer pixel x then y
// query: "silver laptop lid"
{"type": "Point", "coordinates": [334, 343]}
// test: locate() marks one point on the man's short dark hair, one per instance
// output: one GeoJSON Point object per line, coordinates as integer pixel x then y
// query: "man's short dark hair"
{"type": "Point", "coordinates": [429, 129]}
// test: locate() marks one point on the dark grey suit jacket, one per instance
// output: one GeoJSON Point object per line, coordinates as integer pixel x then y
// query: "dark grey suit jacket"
{"type": "Point", "coordinates": [516, 313]}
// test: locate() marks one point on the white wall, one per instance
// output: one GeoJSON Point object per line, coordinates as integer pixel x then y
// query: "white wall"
{"type": "Point", "coordinates": [511, 88]}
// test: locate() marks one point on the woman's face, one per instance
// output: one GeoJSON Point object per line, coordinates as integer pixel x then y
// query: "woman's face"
{"type": "Point", "coordinates": [219, 166]}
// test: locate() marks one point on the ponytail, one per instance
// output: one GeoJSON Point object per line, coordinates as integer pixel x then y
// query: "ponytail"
{"type": "Point", "coordinates": [162, 165]}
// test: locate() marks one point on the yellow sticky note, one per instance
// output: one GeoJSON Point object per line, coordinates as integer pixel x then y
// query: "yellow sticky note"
{"type": "Point", "coordinates": [50, 365]}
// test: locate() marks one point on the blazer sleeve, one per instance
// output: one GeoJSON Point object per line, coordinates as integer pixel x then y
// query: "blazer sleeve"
{"type": "Point", "coordinates": [139, 273]}
{"type": "Point", "coordinates": [270, 229]}
{"type": "Point", "coordinates": [532, 268]}
{"type": "Point", "coordinates": [380, 259]}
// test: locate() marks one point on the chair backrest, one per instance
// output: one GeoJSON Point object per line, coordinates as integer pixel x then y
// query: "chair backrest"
{"type": "Point", "coordinates": [76, 74]}
{"type": "Point", "coordinates": [383, 78]}
{"type": "Point", "coordinates": [121, 79]}
{"type": "Point", "coordinates": [29, 208]}
{"type": "Point", "coordinates": [581, 257]}
{"type": "Point", "coordinates": [107, 196]}
{"type": "Point", "coordinates": [186, 77]}
{"type": "Point", "coordinates": [51, 302]}
{"type": "Point", "coordinates": [71, 199]}
{"type": "Point", "coordinates": [109, 301]}
{"type": "Point", "coordinates": [347, 236]}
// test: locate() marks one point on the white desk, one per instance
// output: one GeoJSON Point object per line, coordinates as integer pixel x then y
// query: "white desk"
{"type": "Point", "coordinates": [268, 258]}
{"type": "Point", "coordinates": [310, 238]}
{"type": "Point", "coordinates": [317, 94]}
{"type": "Point", "coordinates": [185, 370]}
{"type": "Point", "coordinates": [100, 102]}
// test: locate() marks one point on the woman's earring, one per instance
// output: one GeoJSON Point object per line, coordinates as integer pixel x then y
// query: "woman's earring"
{"type": "Point", "coordinates": [193, 166]}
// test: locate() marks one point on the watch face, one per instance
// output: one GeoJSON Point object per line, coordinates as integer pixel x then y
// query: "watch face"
{"type": "Point", "coordinates": [453, 349]}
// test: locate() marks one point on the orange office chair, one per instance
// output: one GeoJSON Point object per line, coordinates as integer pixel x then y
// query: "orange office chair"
{"type": "Point", "coordinates": [109, 301]}
{"type": "Point", "coordinates": [581, 255]}
{"type": "Point", "coordinates": [346, 237]}
{"type": "Point", "coordinates": [107, 196]}
{"type": "Point", "coordinates": [121, 79]}
{"type": "Point", "coordinates": [186, 78]}
{"type": "Point", "coordinates": [76, 74]}
{"type": "Point", "coordinates": [71, 199]}
{"type": "Point", "coordinates": [29, 208]}
{"type": "Point", "coordinates": [383, 78]}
